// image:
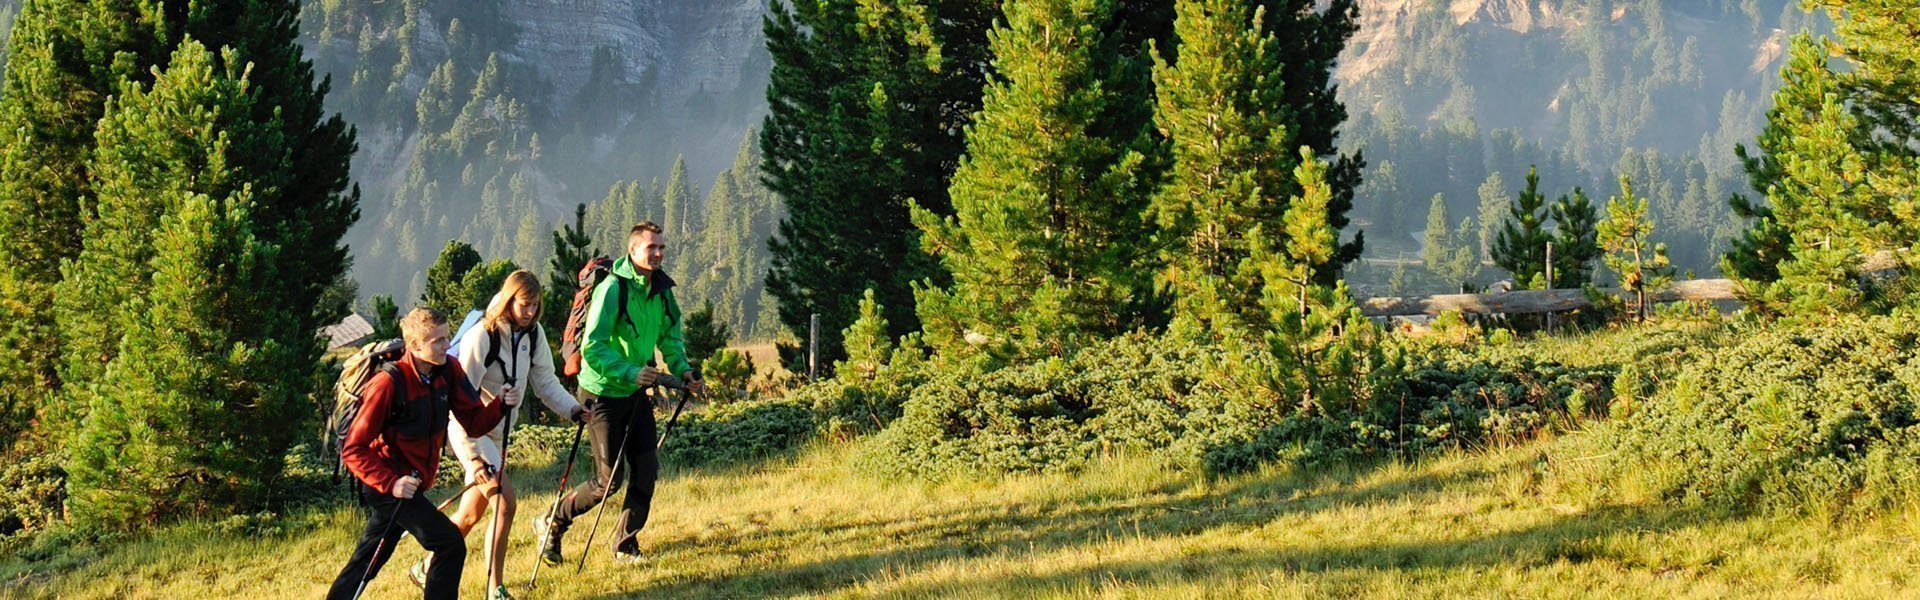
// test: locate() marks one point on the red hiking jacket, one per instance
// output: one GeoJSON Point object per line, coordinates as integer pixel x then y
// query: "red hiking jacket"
{"type": "Point", "coordinates": [402, 430]}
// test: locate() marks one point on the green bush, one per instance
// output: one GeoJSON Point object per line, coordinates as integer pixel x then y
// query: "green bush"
{"type": "Point", "coordinates": [1205, 406]}
{"type": "Point", "coordinates": [860, 401]}
{"type": "Point", "coordinates": [727, 372]}
{"type": "Point", "coordinates": [32, 495]}
{"type": "Point", "coordinates": [1810, 418]}
{"type": "Point", "coordinates": [1458, 397]}
{"type": "Point", "coordinates": [1049, 415]}
{"type": "Point", "coordinates": [739, 432]}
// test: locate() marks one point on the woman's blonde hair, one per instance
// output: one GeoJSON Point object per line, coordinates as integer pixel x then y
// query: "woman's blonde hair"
{"type": "Point", "coordinates": [521, 284]}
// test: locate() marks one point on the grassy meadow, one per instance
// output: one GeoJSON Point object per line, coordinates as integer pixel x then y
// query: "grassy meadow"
{"type": "Point", "coordinates": [1513, 522]}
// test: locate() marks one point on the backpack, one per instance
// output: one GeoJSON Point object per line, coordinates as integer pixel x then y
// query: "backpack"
{"type": "Point", "coordinates": [493, 343]}
{"type": "Point", "coordinates": [572, 338]}
{"type": "Point", "coordinates": [349, 389]}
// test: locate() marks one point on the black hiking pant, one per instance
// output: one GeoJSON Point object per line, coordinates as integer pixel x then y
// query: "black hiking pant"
{"type": "Point", "coordinates": [414, 515]}
{"type": "Point", "coordinates": [608, 421]}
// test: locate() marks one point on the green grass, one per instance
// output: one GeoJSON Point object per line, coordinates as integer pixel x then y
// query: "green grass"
{"type": "Point", "coordinates": [1524, 521]}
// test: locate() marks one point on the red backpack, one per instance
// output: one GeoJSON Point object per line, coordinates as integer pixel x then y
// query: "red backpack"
{"type": "Point", "coordinates": [572, 338]}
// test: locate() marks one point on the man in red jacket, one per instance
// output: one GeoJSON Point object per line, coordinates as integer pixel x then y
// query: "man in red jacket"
{"type": "Point", "coordinates": [393, 450]}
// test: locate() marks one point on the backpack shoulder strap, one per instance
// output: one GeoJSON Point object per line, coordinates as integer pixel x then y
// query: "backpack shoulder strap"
{"type": "Point", "coordinates": [396, 407]}
{"type": "Point", "coordinates": [621, 282]}
{"type": "Point", "coordinates": [493, 351]}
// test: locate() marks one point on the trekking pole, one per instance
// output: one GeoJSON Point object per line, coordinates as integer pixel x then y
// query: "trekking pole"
{"type": "Point", "coordinates": [559, 495]}
{"type": "Point", "coordinates": [500, 496]}
{"type": "Point", "coordinates": [684, 393]}
{"type": "Point", "coordinates": [619, 453]}
{"type": "Point", "coordinates": [382, 546]}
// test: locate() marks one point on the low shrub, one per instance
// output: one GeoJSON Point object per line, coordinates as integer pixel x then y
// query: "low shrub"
{"type": "Point", "coordinates": [32, 495]}
{"type": "Point", "coordinates": [1808, 418]}
{"type": "Point", "coordinates": [1204, 405]}
{"type": "Point", "coordinates": [739, 432]}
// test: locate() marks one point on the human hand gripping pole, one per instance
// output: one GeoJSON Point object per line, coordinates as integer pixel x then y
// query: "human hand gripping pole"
{"type": "Point", "coordinates": [662, 380]}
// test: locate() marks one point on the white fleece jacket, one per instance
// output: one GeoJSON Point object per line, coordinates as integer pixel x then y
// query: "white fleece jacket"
{"type": "Point", "coordinates": [531, 362]}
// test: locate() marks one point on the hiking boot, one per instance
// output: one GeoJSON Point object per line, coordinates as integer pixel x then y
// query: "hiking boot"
{"type": "Point", "coordinates": [418, 572]}
{"type": "Point", "coordinates": [548, 533]}
{"type": "Point", "coordinates": [499, 593]}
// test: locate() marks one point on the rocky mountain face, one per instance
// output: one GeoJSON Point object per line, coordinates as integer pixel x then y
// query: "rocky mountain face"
{"type": "Point", "coordinates": [1598, 75]}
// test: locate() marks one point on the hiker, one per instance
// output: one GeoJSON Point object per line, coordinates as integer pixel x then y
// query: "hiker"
{"type": "Point", "coordinates": [505, 355]}
{"type": "Point", "coordinates": [616, 351]}
{"type": "Point", "coordinates": [393, 451]}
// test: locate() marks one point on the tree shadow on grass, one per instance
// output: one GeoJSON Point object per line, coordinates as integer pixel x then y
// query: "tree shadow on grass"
{"type": "Point", "coordinates": [921, 541]}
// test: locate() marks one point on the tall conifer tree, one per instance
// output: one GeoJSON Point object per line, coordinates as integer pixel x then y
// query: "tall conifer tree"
{"type": "Point", "coordinates": [65, 57]}
{"type": "Point", "coordinates": [1046, 235]}
{"type": "Point", "coordinates": [868, 102]}
{"type": "Point", "coordinates": [1521, 245]}
{"type": "Point", "coordinates": [1234, 140]}
{"type": "Point", "coordinates": [207, 350]}
{"type": "Point", "coordinates": [70, 56]}
{"type": "Point", "coordinates": [1836, 163]}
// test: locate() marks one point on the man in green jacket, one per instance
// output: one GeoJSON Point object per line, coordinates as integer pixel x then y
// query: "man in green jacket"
{"type": "Point", "coordinates": [617, 355]}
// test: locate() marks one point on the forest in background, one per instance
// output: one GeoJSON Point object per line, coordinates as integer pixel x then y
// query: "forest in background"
{"type": "Point", "coordinates": [469, 130]}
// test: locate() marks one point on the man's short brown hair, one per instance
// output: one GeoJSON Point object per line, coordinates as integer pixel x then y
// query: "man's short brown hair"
{"type": "Point", "coordinates": [639, 228]}
{"type": "Point", "coordinates": [415, 325]}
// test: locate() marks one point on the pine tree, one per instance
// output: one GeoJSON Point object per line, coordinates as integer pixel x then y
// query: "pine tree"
{"type": "Point", "coordinates": [1321, 345]}
{"type": "Point", "coordinates": [58, 78]}
{"type": "Point", "coordinates": [207, 351]}
{"type": "Point", "coordinates": [1521, 245]}
{"type": "Point", "coordinates": [313, 203]}
{"type": "Point", "coordinates": [529, 243]}
{"type": "Point", "coordinates": [480, 283]}
{"type": "Point", "coordinates": [1383, 190]}
{"type": "Point", "coordinates": [759, 211]}
{"type": "Point", "coordinates": [1493, 194]}
{"type": "Point", "coordinates": [1822, 145]}
{"type": "Point", "coordinates": [1046, 211]}
{"type": "Point", "coordinates": [67, 58]}
{"type": "Point", "coordinates": [1233, 140]}
{"type": "Point", "coordinates": [386, 317]}
{"type": "Point", "coordinates": [572, 248]}
{"type": "Point", "coordinates": [716, 255]}
{"type": "Point", "coordinates": [214, 149]}
{"type": "Point", "coordinates": [1450, 253]}
{"type": "Point", "coordinates": [446, 289]}
{"type": "Point", "coordinates": [868, 346]}
{"type": "Point", "coordinates": [1641, 265]}
{"type": "Point", "coordinates": [705, 334]}
{"type": "Point", "coordinates": [1310, 35]}
{"type": "Point", "coordinates": [868, 104]}
{"type": "Point", "coordinates": [1574, 245]}
{"type": "Point", "coordinates": [677, 218]}
{"type": "Point", "coordinates": [1435, 253]}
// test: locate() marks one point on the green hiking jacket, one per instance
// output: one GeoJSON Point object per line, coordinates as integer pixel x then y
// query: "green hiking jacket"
{"type": "Point", "coordinates": [614, 352]}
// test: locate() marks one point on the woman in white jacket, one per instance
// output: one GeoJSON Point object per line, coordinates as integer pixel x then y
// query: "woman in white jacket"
{"type": "Point", "coordinates": [523, 361]}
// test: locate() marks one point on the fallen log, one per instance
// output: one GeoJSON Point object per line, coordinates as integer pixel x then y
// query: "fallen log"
{"type": "Point", "coordinates": [1540, 301]}
{"type": "Point", "coordinates": [1534, 301]}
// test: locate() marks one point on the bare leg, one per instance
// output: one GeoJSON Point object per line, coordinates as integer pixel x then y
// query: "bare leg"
{"type": "Point", "coordinates": [473, 505]}
{"type": "Point", "coordinates": [497, 533]}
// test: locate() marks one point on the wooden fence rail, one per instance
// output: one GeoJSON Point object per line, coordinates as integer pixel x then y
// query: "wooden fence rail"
{"type": "Point", "coordinates": [1533, 301]}
{"type": "Point", "coordinates": [1540, 301]}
